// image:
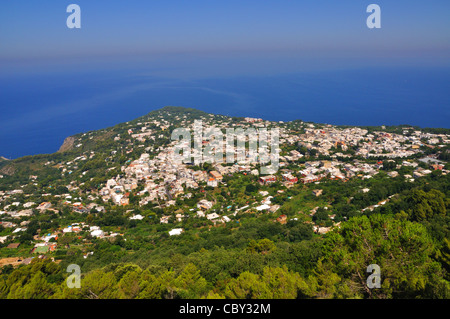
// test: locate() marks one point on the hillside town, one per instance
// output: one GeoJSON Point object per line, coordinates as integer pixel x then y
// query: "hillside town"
{"type": "Point", "coordinates": [309, 155]}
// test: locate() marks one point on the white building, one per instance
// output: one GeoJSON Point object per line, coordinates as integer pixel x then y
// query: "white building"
{"type": "Point", "coordinates": [97, 233]}
{"type": "Point", "coordinates": [226, 219]}
{"type": "Point", "coordinates": [212, 216]}
{"type": "Point", "coordinates": [263, 207]}
{"type": "Point", "coordinates": [176, 231]}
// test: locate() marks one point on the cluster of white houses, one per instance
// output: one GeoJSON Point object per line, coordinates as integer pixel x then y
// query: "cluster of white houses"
{"type": "Point", "coordinates": [162, 179]}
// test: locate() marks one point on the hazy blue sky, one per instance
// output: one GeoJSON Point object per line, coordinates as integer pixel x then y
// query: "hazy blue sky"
{"type": "Point", "coordinates": [256, 33]}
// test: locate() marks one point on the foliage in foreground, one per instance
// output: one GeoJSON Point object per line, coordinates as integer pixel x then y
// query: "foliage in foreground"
{"type": "Point", "coordinates": [403, 249]}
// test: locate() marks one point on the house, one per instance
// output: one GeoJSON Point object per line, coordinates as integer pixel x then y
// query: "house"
{"type": "Point", "coordinates": [47, 237]}
{"type": "Point", "coordinates": [164, 219]}
{"type": "Point", "coordinates": [289, 178]}
{"type": "Point", "coordinates": [212, 182]}
{"type": "Point", "coordinates": [267, 200]}
{"type": "Point", "coordinates": [212, 216]}
{"type": "Point", "coordinates": [317, 192]}
{"type": "Point", "coordinates": [267, 179]}
{"type": "Point", "coordinates": [7, 224]}
{"type": "Point", "coordinates": [79, 208]}
{"type": "Point", "coordinates": [321, 230]}
{"type": "Point", "coordinates": [27, 261]}
{"type": "Point", "coordinates": [325, 164]}
{"type": "Point", "coordinates": [263, 207]}
{"type": "Point", "coordinates": [124, 201]}
{"type": "Point", "coordinates": [28, 205]}
{"type": "Point", "coordinates": [95, 206]}
{"type": "Point", "coordinates": [67, 229]}
{"type": "Point", "coordinates": [392, 174]}
{"type": "Point", "coordinates": [176, 231]}
{"type": "Point", "coordinates": [309, 179]}
{"type": "Point", "coordinates": [199, 176]}
{"type": "Point", "coordinates": [252, 119]}
{"type": "Point", "coordinates": [44, 205]}
{"type": "Point", "coordinates": [76, 228]}
{"type": "Point", "coordinates": [25, 212]}
{"type": "Point", "coordinates": [282, 219]}
{"type": "Point", "coordinates": [18, 230]}
{"type": "Point", "coordinates": [226, 219]}
{"type": "Point", "coordinates": [97, 233]}
{"type": "Point", "coordinates": [274, 208]}
{"type": "Point", "coordinates": [191, 184]}
{"type": "Point", "coordinates": [204, 204]}
{"type": "Point", "coordinates": [437, 167]}
{"type": "Point", "coordinates": [216, 175]}
{"type": "Point", "coordinates": [200, 214]}
{"type": "Point", "coordinates": [13, 245]}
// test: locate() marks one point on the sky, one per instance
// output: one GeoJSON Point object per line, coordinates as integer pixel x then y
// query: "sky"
{"type": "Point", "coordinates": [222, 36]}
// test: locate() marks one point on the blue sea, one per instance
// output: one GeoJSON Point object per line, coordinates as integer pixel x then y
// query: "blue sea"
{"type": "Point", "coordinates": [40, 110]}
